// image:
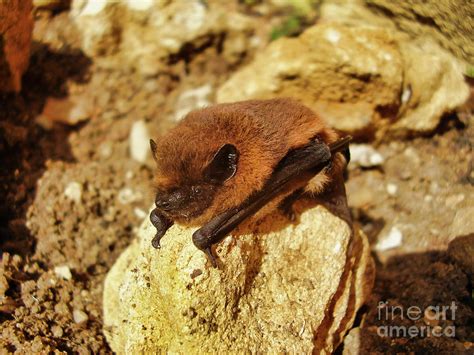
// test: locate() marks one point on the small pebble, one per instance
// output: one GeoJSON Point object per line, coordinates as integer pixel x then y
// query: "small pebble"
{"type": "Point", "coordinates": [57, 331]}
{"type": "Point", "coordinates": [63, 272]}
{"type": "Point", "coordinates": [392, 240]}
{"type": "Point", "coordinates": [139, 141]}
{"type": "Point", "coordinates": [365, 156]}
{"type": "Point", "coordinates": [79, 316]}
{"type": "Point", "coordinates": [412, 154]}
{"type": "Point", "coordinates": [44, 122]}
{"type": "Point", "coordinates": [73, 191]}
{"type": "Point", "coordinates": [139, 213]}
{"type": "Point", "coordinates": [127, 195]}
{"type": "Point", "coordinates": [406, 95]}
{"type": "Point", "coordinates": [192, 99]}
{"type": "Point", "coordinates": [140, 5]}
{"type": "Point", "coordinates": [333, 35]}
{"type": "Point", "coordinates": [70, 110]}
{"type": "Point", "coordinates": [392, 189]}
{"type": "Point", "coordinates": [105, 150]}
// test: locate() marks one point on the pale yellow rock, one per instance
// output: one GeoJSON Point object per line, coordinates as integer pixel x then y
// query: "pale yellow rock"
{"type": "Point", "coordinates": [272, 292]}
{"type": "Point", "coordinates": [365, 80]}
{"type": "Point", "coordinates": [433, 85]}
{"type": "Point", "coordinates": [144, 33]}
{"type": "Point", "coordinates": [445, 21]}
{"type": "Point", "coordinates": [343, 72]}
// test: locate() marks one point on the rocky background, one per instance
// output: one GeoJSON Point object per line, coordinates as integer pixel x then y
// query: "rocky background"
{"type": "Point", "coordinates": [84, 84]}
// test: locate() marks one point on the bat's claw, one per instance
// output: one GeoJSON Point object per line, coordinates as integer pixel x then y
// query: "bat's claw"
{"type": "Point", "coordinates": [289, 213]}
{"type": "Point", "coordinates": [286, 206]}
{"type": "Point", "coordinates": [156, 241]}
{"type": "Point", "coordinates": [202, 241]}
{"type": "Point", "coordinates": [210, 257]}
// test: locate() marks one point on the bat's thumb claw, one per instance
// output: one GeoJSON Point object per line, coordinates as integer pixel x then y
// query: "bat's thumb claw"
{"type": "Point", "coordinates": [156, 242]}
{"type": "Point", "coordinates": [201, 241]}
{"type": "Point", "coordinates": [340, 145]}
{"type": "Point", "coordinates": [211, 257]}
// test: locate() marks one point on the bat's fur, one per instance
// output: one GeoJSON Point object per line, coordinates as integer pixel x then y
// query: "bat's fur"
{"type": "Point", "coordinates": [263, 131]}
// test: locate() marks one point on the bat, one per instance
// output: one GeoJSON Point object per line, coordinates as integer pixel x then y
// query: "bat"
{"type": "Point", "coordinates": [229, 163]}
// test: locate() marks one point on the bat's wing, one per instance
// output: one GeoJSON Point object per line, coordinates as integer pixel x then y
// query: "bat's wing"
{"type": "Point", "coordinates": [314, 156]}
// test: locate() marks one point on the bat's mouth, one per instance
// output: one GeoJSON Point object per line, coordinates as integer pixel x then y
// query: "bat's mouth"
{"type": "Point", "coordinates": [185, 203]}
{"type": "Point", "coordinates": [185, 211]}
{"type": "Point", "coordinates": [183, 215]}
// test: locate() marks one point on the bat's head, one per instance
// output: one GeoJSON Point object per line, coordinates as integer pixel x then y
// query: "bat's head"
{"type": "Point", "coordinates": [188, 176]}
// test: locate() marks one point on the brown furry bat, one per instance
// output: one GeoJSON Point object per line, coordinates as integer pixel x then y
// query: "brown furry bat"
{"type": "Point", "coordinates": [222, 164]}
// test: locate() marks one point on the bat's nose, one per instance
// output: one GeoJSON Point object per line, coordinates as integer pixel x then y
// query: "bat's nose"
{"type": "Point", "coordinates": [162, 204]}
{"type": "Point", "coordinates": [171, 201]}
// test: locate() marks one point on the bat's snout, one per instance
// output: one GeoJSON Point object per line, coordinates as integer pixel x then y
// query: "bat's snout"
{"type": "Point", "coordinates": [185, 202]}
{"type": "Point", "coordinates": [162, 204]}
{"type": "Point", "coordinates": [171, 201]}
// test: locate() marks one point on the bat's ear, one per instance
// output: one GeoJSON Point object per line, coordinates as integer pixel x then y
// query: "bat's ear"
{"type": "Point", "coordinates": [154, 148]}
{"type": "Point", "coordinates": [223, 165]}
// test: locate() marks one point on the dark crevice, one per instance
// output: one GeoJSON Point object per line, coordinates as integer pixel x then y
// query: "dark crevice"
{"type": "Point", "coordinates": [25, 147]}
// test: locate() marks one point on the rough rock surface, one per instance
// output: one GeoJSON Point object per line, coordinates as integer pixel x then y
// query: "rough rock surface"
{"type": "Point", "coordinates": [147, 34]}
{"type": "Point", "coordinates": [444, 20]}
{"type": "Point", "coordinates": [281, 288]}
{"type": "Point", "coordinates": [365, 80]}
{"type": "Point", "coordinates": [16, 26]}
{"type": "Point", "coordinates": [433, 85]}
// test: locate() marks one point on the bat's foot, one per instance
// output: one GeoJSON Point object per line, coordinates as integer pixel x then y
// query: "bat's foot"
{"type": "Point", "coordinates": [288, 212]}
{"type": "Point", "coordinates": [156, 241]}
{"type": "Point", "coordinates": [203, 243]}
{"type": "Point", "coordinates": [286, 206]}
{"type": "Point", "coordinates": [211, 257]}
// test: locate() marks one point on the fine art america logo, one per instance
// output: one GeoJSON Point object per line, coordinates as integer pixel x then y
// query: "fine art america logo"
{"type": "Point", "coordinates": [431, 317]}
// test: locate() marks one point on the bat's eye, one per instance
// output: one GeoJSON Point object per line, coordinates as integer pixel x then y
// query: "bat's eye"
{"type": "Point", "coordinates": [196, 190]}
